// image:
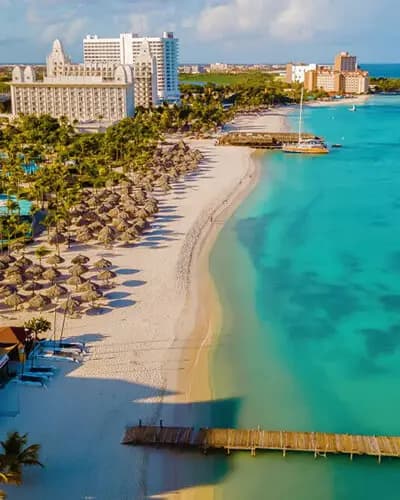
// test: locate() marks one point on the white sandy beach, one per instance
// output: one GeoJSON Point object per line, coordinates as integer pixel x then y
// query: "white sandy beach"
{"type": "Point", "coordinates": [141, 348]}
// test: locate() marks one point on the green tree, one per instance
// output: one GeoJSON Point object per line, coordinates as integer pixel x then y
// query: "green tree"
{"type": "Point", "coordinates": [38, 325]}
{"type": "Point", "coordinates": [15, 455]}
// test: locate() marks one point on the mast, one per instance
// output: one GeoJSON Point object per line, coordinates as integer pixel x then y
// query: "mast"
{"type": "Point", "coordinates": [301, 112]}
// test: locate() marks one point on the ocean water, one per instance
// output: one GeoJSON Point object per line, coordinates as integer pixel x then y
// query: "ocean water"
{"type": "Point", "coordinates": [308, 274]}
{"type": "Point", "coordinates": [383, 70]}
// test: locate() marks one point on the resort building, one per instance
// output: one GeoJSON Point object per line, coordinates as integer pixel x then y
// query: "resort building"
{"type": "Point", "coordinates": [296, 72]}
{"type": "Point", "coordinates": [101, 92]}
{"type": "Point", "coordinates": [145, 71]}
{"type": "Point", "coordinates": [335, 82]}
{"type": "Point", "coordinates": [125, 50]}
{"type": "Point", "coordinates": [344, 62]}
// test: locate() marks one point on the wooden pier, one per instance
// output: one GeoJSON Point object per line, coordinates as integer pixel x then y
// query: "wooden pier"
{"type": "Point", "coordinates": [261, 140]}
{"type": "Point", "coordinates": [253, 440]}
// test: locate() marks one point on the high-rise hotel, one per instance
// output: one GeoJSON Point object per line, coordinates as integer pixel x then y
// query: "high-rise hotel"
{"type": "Point", "coordinates": [126, 50]}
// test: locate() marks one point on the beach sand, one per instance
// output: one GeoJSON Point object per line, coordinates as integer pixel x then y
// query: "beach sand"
{"type": "Point", "coordinates": [148, 349]}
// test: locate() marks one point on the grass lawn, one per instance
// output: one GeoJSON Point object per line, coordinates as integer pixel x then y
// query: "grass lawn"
{"type": "Point", "coordinates": [251, 78]}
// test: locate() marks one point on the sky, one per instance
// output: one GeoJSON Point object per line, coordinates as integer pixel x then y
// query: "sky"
{"type": "Point", "coordinates": [242, 31]}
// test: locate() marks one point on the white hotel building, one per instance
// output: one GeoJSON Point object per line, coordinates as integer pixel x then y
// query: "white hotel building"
{"type": "Point", "coordinates": [125, 50]}
{"type": "Point", "coordinates": [81, 92]}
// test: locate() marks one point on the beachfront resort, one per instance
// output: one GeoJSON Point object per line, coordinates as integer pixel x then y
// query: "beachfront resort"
{"type": "Point", "coordinates": [116, 182]}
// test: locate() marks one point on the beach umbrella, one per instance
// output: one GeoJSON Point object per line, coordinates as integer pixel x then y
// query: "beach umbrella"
{"type": "Point", "coordinates": [78, 269]}
{"type": "Point", "coordinates": [51, 275]}
{"type": "Point", "coordinates": [39, 302]}
{"type": "Point", "coordinates": [89, 286]}
{"type": "Point", "coordinates": [13, 269]}
{"type": "Point", "coordinates": [31, 286]}
{"type": "Point", "coordinates": [106, 235]}
{"type": "Point", "coordinates": [102, 264]}
{"type": "Point", "coordinates": [104, 219]}
{"type": "Point", "coordinates": [3, 265]}
{"type": "Point", "coordinates": [35, 270]}
{"type": "Point", "coordinates": [82, 221]}
{"type": "Point", "coordinates": [16, 278]}
{"type": "Point", "coordinates": [55, 260]}
{"type": "Point", "coordinates": [92, 296]}
{"type": "Point", "coordinates": [106, 275]}
{"type": "Point", "coordinates": [23, 262]}
{"type": "Point", "coordinates": [96, 226]}
{"type": "Point", "coordinates": [139, 223]}
{"type": "Point", "coordinates": [56, 291]}
{"type": "Point", "coordinates": [126, 237]}
{"type": "Point", "coordinates": [84, 235]}
{"type": "Point", "coordinates": [80, 259]}
{"type": "Point", "coordinates": [7, 258]}
{"type": "Point", "coordinates": [71, 306]}
{"type": "Point", "coordinates": [114, 212]}
{"type": "Point", "coordinates": [76, 281]}
{"type": "Point", "coordinates": [57, 239]}
{"type": "Point", "coordinates": [6, 290]}
{"type": "Point", "coordinates": [14, 300]}
{"type": "Point", "coordinates": [17, 246]}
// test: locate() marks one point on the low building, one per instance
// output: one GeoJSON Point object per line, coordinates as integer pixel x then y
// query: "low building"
{"type": "Point", "coordinates": [79, 92]}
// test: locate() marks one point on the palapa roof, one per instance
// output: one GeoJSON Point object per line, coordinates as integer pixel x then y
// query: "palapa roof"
{"type": "Point", "coordinates": [12, 335]}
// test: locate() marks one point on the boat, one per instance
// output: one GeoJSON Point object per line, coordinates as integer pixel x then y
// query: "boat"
{"type": "Point", "coordinates": [353, 108]}
{"type": "Point", "coordinates": [314, 146]}
{"type": "Point", "coordinates": [336, 146]}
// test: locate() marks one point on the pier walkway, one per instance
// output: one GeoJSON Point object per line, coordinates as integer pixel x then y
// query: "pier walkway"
{"type": "Point", "coordinates": [262, 140]}
{"type": "Point", "coordinates": [318, 443]}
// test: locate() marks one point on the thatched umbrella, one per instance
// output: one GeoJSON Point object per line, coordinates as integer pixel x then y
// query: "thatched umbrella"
{"type": "Point", "coordinates": [51, 275]}
{"type": "Point", "coordinates": [57, 239]}
{"type": "Point", "coordinates": [76, 281]}
{"type": "Point", "coordinates": [82, 221]}
{"type": "Point", "coordinates": [35, 270]}
{"type": "Point", "coordinates": [15, 300]}
{"type": "Point", "coordinates": [18, 245]}
{"type": "Point", "coordinates": [56, 291]}
{"type": "Point", "coordinates": [106, 235]}
{"type": "Point", "coordinates": [106, 275]}
{"type": "Point", "coordinates": [6, 290]}
{"type": "Point", "coordinates": [16, 278]}
{"type": "Point", "coordinates": [39, 302]}
{"type": "Point", "coordinates": [84, 235]}
{"type": "Point", "coordinates": [126, 237]}
{"type": "Point", "coordinates": [93, 296]}
{"type": "Point", "coordinates": [104, 219]}
{"type": "Point", "coordinates": [102, 264]}
{"type": "Point", "coordinates": [13, 269]}
{"type": "Point", "coordinates": [139, 224]}
{"type": "Point", "coordinates": [96, 226]}
{"type": "Point", "coordinates": [80, 259]}
{"type": "Point", "coordinates": [78, 269]}
{"type": "Point", "coordinates": [71, 306]}
{"type": "Point", "coordinates": [3, 265]}
{"type": "Point", "coordinates": [114, 212]}
{"type": "Point", "coordinates": [55, 260]}
{"type": "Point", "coordinates": [31, 286]}
{"type": "Point", "coordinates": [89, 286]}
{"type": "Point", "coordinates": [24, 262]}
{"type": "Point", "coordinates": [7, 258]}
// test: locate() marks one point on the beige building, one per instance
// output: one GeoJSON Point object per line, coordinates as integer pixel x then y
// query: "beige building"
{"type": "Point", "coordinates": [345, 62]}
{"type": "Point", "coordinates": [145, 77]}
{"type": "Point", "coordinates": [80, 92]}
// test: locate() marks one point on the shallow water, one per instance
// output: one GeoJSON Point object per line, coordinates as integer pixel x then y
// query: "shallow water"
{"type": "Point", "coordinates": [308, 275]}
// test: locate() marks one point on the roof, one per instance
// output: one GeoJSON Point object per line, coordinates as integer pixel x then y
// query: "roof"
{"type": "Point", "coordinates": [11, 335]}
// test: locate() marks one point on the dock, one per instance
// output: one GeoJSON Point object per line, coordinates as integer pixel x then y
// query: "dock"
{"type": "Point", "coordinates": [253, 440]}
{"type": "Point", "coordinates": [262, 140]}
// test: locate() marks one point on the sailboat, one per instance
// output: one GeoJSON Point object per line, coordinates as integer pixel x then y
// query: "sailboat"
{"type": "Point", "coordinates": [305, 146]}
{"type": "Point", "coordinates": [353, 108]}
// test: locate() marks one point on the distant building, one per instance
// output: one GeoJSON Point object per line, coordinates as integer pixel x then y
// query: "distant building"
{"type": "Point", "coordinates": [356, 82]}
{"type": "Point", "coordinates": [81, 92]}
{"type": "Point", "coordinates": [126, 49]}
{"type": "Point", "coordinates": [296, 72]}
{"type": "Point", "coordinates": [345, 62]}
{"type": "Point", "coordinates": [219, 67]}
{"type": "Point", "coordinates": [192, 69]}
{"type": "Point", "coordinates": [336, 82]}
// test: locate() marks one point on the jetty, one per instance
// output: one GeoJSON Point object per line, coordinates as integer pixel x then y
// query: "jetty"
{"type": "Point", "coordinates": [262, 140]}
{"type": "Point", "coordinates": [253, 440]}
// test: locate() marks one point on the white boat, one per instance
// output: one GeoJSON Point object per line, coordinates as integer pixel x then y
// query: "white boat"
{"type": "Point", "coordinates": [305, 146]}
{"type": "Point", "coordinates": [353, 108]}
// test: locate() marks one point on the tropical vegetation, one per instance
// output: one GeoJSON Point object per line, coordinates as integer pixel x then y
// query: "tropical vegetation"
{"type": "Point", "coordinates": [14, 456]}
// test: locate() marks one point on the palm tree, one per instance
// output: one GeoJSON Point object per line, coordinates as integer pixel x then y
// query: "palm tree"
{"type": "Point", "coordinates": [16, 454]}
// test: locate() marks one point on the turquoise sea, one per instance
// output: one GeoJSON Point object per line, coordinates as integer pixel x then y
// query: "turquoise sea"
{"type": "Point", "coordinates": [308, 274]}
